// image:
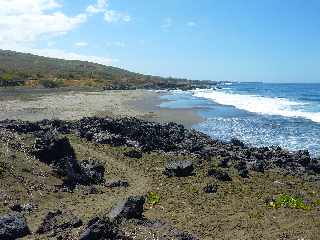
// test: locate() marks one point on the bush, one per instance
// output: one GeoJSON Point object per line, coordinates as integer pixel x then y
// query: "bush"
{"type": "Point", "coordinates": [288, 201]}
{"type": "Point", "coordinates": [153, 198]}
{"type": "Point", "coordinates": [52, 83]}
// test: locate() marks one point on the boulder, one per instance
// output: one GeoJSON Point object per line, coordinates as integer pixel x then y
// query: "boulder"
{"type": "Point", "coordinates": [102, 229]}
{"type": "Point", "coordinates": [179, 168]}
{"type": "Point", "coordinates": [92, 172]}
{"type": "Point", "coordinates": [13, 226]}
{"type": "Point", "coordinates": [117, 183]}
{"type": "Point", "coordinates": [132, 207]}
{"type": "Point", "coordinates": [219, 174]}
{"type": "Point", "coordinates": [133, 154]}
{"type": "Point", "coordinates": [57, 221]}
{"type": "Point", "coordinates": [210, 188]}
{"type": "Point", "coordinates": [51, 147]}
{"type": "Point", "coordinates": [244, 173]}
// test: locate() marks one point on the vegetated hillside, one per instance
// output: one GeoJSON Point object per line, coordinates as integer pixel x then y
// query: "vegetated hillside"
{"type": "Point", "coordinates": [22, 68]}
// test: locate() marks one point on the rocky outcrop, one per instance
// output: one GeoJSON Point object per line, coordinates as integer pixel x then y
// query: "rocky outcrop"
{"type": "Point", "coordinates": [170, 138]}
{"type": "Point", "coordinates": [132, 207]}
{"type": "Point", "coordinates": [13, 226]}
{"type": "Point", "coordinates": [102, 229]}
{"type": "Point", "coordinates": [57, 221]}
{"type": "Point", "coordinates": [180, 168]}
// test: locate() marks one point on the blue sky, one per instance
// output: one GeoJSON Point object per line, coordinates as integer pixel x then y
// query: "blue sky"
{"type": "Point", "coordinates": [239, 40]}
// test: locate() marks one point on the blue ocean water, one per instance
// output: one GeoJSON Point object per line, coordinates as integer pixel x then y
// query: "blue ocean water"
{"type": "Point", "coordinates": [260, 114]}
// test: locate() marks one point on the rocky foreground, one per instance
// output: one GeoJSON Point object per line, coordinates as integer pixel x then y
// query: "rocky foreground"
{"type": "Point", "coordinates": [55, 183]}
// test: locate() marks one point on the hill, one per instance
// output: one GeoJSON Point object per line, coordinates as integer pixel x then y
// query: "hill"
{"type": "Point", "coordinates": [31, 70]}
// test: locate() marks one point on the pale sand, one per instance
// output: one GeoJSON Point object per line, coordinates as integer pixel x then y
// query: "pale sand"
{"type": "Point", "coordinates": [72, 105]}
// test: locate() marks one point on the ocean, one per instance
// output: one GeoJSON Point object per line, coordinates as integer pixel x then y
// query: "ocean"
{"type": "Point", "coordinates": [259, 114]}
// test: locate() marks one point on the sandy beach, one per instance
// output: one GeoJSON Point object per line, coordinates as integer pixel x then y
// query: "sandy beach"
{"type": "Point", "coordinates": [34, 105]}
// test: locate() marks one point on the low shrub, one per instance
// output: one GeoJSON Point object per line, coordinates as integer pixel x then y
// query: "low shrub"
{"type": "Point", "coordinates": [288, 201]}
{"type": "Point", "coordinates": [52, 83]}
{"type": "Point", "coordinates": [2, 168]}
{"type": "Point", "coordinates": [153, 198]}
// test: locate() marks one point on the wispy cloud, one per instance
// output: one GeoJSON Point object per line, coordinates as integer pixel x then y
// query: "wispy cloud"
{"type": "Point", "coordinates": [167, 23]}
{"type": "Point", "coordinates": [192, 24]}
{"type": "Point", "coordinates": [81, 44]}
{"type": "Point", "coordinates": [100, 6]}
{"type": "Point", "coordinates": [112, 16]}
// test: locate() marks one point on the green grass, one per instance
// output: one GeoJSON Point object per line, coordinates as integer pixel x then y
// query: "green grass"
{"type": "Point", "coordinates": [288, 201]}
{"type": "Point", "coordinates": [153, 198]}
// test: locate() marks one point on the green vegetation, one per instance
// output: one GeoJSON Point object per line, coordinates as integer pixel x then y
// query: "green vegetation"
{"type": "Point", "coordinates": [27, 67]}
{"type": "Point", "coordinates": [317, 202]}
{"type": "Point", "coordinates": [52, 83]}
{"type": "Point", "coordinates": [289, 201]}
{"type": "Point", "coordinates": [153, 198]}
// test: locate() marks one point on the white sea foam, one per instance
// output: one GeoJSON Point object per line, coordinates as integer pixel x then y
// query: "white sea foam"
{"type": "Point", "coordinates": [258, 104]}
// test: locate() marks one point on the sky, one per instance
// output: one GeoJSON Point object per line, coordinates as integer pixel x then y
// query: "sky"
{"type": "Point", "coordinates": [230, 40]}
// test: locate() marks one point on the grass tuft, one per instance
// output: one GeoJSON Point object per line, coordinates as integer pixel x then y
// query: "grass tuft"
{"type": "Point", "coordinates": [288, 201]}
{"type": "Point", "coordinates": [153, 198]}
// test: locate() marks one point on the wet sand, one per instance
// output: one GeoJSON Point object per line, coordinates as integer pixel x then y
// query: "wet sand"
{"type": "Point", "coordinates": [66, 104]}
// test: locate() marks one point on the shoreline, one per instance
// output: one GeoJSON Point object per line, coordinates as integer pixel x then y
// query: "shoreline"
{"type": "Point", "coordinates": [73, 104]}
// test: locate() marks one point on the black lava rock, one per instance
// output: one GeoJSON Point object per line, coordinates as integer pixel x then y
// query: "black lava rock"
{"type": "Point", "coordinates": [102, 229]}
{"type": "Point", "coordinates": [117, 183]}
{"type": "Point", "coordinates": [132, 207]}
{"type": "Point", "coordinates": [133, 154]}
{"type": "Point", "coordinates": [219, 174]}
{"type": "Point", "coordinates": [210, 188]}
{"type": "Point", "coordinates": [92, 172]}
{"type": "Point", "coordinates": [179, 168]}
{"type": "Point", "coordinates": [51, 147]}
{"type": "Point", "coordinates": [13, 226]}
{"type": "Point", "coordinates": [244, 173]}
{"type": "Point", "coordinates": [57, 221]}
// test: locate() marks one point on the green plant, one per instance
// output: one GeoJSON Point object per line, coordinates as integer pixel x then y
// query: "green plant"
{"type": "Point", "coordinates": [52, 83]}
{"type": "Point", "coordinates": [153, 198]}
{"type": "Point", "coordinates": [317, 202]}
{"type": "Point", "coordinates": [288, 201]}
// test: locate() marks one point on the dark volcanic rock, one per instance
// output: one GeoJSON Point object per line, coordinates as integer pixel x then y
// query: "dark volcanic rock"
{"type": "Point", "coordinates": [179, 168]}
{"type": "Point", "coordinates": [133, 154]}
{"type": "Point", "coordinates": [109, 138]}
{"type": "Point", "coordinates": [13, 226]}
{"type": "Point", "coordinates": [57, 221]}
{"type": "Point", "coordinates": [219, 174]}
{"type": "Point", "coordinates": [244, 173]}
{"type": "Point", "coordinates": [51, 147]}
{"type": "Point", "coordinates": [102, 229]}
{"type": "Point", "coordinates": [117, 183]}
{"type": "Point", "coordinates": [132, 207]}
{"type": "Point", "coordinates": [92, 172]}
{"type": "Point", "coordinates": [210, 188]}
{"type": "Point", "coordinates": [22, 207]}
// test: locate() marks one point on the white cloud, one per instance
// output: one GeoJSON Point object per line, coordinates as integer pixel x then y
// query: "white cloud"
{"type": "Point", "coordinates": [167, 23]}
{"type": "Point", "coordinates": [28, 20]}
{"type": "Point", "coordinates": [112, 16]}
{"type": "Point", "coordinates": [192, 24]}
{"type": "Point", "coordinates": [100, 6]}
{"type": "Point", "coordinates": [81, 44]}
